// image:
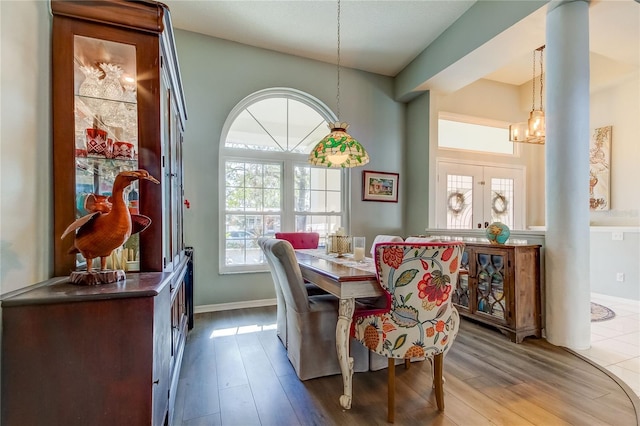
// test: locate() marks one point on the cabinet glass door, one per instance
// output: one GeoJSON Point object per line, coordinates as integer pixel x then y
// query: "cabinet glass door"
{"type": "Point", "coordinates": [490, 273]}
{"type": "Point", "coordinates": [461, 294]}
{"type": "Point", "coordinates": [106, 132]}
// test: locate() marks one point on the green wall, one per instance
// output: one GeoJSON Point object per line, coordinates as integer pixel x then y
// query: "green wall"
{"type": "Point", "coordinates": [416, 188]}
{"type": "Point", "coordinates": [217, 74]}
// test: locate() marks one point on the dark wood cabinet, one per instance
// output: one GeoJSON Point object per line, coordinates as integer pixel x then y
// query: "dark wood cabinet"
{"type": "Point", "coordinates": [94, 355]}
{"type": "Point", "coordinates": [118, 105]}
{"type": "Point", "coordinates": [107, 354]}
{"type": "Point", "coordinates": [499, 285]}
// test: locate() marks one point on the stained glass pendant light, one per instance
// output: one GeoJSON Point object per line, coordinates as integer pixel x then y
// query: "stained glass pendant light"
{"type": "Point", "coordinates": [338, 148]}
{"type": "Point", "coordinates": [532, 131]}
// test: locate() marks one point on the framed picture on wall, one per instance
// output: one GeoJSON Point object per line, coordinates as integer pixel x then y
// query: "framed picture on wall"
{"type": "Point", "coordinates": [600, 169]}
{"type": "Point", "coordinates": [380, 186]}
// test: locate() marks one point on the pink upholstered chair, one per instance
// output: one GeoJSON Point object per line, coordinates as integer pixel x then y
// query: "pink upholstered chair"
{"type": "Point", "coordinates": [303, 240]}
{"type": "Point", "coordinates": [421, 320]}
{"type": "Point", "coordinates": [300, 240]}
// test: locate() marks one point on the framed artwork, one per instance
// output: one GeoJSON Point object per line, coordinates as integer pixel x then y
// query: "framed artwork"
{"type": "Point", "coordinates": [600, 169]}
{"type": "Point", "coordinates": [379, 186]}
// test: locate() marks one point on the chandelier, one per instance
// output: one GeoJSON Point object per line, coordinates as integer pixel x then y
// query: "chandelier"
{"type": "Point", "coordinates": [338, 148]}
{"type": "Point", "coordinates": [532, 131]}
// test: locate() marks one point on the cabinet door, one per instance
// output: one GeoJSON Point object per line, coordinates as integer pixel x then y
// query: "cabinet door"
{"type": "Point", "coordinates": [161, 356]}
{"type": "Point", "coordinates": [462, 293]}
{"type": "Point", "coordinates": [105, 135]}
{"type": "Point", "coordinates": [101, 120]}
{"type": "Point", "coordinates": [491, 276]}
{"type": "Point", "coordinates": [172, 240]}
{"type": "Point", "coordinates": [106, 78]}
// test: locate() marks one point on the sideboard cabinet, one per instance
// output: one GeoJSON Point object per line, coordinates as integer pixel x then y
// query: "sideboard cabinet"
{"type": "Point", "coordinates": [94, 355]}
{"type": "Point", "coordinates": [499, 285]}
{"type": "Point", "coordinates": [118, 105]}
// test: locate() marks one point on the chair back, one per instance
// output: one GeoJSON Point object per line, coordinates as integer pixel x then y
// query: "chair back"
{"type": "Point", "coordinates": [282, 260]}
{"type": "Point", "coordinates": [300, 240]}
{"type": "Point", "coordinates": [421, 239]}
{"type": "Point", "coordinates": [384, 238]}
{"type": "Point", "coordinates": [281, 309]}
{"type": "Point", "coordinates": [420, 278]}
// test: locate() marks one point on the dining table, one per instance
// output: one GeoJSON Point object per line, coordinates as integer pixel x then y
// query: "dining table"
{"type": "Point", "coordinates": [347, 279]}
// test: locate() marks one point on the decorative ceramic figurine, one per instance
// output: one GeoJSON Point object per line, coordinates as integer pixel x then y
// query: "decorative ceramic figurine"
{"type": "Point", "coordinates": [498, 233]}
{"type": "Point", "coordinates": [100, 232]}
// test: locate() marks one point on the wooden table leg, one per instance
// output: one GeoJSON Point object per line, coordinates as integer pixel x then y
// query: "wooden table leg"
{"type": "Point", "coordinates": [345, 316]}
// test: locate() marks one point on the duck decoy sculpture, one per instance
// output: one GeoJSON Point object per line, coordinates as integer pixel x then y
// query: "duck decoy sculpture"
{"type": "Point", "coordinates": [106, 229]}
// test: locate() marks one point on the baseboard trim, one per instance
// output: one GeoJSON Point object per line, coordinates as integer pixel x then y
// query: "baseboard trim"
{"type": "Point", "coordinates": [234, 305]}
{"type": "Point", "coordinates": [615, 298]}
{"type": "Point", "coordinates": [635, 401]}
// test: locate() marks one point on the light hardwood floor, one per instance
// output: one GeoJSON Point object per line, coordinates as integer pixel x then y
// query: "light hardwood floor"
{"type": "Point", "coordinates": [236, 372]}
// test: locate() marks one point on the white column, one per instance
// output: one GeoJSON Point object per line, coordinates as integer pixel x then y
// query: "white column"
{"type": "Point", "coordinates": [567, 174]}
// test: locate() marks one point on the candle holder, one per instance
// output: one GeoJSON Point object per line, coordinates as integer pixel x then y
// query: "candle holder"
{"type": "Point", "coordinates": [339, 244]}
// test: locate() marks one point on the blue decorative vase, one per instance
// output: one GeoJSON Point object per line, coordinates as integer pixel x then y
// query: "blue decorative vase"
{"type": "Point", "coordinates": [498, 233]}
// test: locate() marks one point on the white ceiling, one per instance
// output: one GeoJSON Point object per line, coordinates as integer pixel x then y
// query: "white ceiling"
{"type": "Point", "coordinates": [384, 36]}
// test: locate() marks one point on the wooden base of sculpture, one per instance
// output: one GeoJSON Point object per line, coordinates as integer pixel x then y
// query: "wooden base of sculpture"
{"type": "Point", "coordinates": [97, 277]}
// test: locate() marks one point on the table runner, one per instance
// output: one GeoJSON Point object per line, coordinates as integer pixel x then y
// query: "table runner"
{"type": "Point", "coordinates": [366, 265]}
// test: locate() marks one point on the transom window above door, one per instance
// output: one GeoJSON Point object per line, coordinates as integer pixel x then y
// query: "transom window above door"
{"type": "Point", "coordinates": [460, 132]}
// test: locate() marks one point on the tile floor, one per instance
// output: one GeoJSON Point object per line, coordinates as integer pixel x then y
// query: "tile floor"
{"type": "Point", "coordinates": [615, 343]}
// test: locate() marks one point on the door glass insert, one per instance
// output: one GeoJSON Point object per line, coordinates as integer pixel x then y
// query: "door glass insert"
{"type": "Point", "coordinates": [459, 202]}
{"type": "Point", "coordinates": [502, 201]}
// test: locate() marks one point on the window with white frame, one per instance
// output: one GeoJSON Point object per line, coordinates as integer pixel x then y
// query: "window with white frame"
{"type": "Point", "coordinates": [266, 184]}
{"type": "Point", "coordinates": [466, 133]}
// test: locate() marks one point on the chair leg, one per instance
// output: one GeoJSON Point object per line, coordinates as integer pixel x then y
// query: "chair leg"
{"type": "Point", "coordinates": [438, 381]}
{"type": "Point", "coordinates": [407, 363]}
{"type": "Point", "coordinates": [391, 390]}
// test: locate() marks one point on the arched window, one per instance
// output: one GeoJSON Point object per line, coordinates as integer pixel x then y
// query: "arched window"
{"type": "Point", "coordinates": [266, 184]}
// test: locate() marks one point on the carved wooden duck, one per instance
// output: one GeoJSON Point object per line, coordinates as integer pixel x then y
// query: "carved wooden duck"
{"type": "Point", "coordinates": [99, 233]}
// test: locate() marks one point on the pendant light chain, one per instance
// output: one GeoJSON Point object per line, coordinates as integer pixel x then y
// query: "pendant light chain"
{"type": "Point", "coordinates": [533, 130]}
{"type": "Point", "coordinates": [533, 85]}
{"type": "Point", "coordinates": [541, 72]}
{"type": "Point", "coordinates": [338, 64]}
{"type": "Point", "coordinates": [338, 149]}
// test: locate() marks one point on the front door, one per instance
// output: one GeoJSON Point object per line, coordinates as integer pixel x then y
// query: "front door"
{"type": "Point", "coordinates": [471, 196]}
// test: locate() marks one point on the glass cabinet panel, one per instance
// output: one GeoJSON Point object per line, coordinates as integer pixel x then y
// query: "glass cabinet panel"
{"type": "Point", "coordinates": [490, 288]}
{"type": "Point", "coordinates": [461, 294]}
{"type": "Point", "coordinates": [106, 132]}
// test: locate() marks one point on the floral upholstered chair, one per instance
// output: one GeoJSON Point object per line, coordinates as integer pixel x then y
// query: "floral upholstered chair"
{"type": "Point", "coordinates": [421, 322]}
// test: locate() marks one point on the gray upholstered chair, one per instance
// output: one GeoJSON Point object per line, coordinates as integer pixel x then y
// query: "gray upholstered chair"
{"type": "Point", "coordinates": [281, 309]}
{"type": "Point", "coordinates": [303, 240]}
{"type": "Point", "coordinates": [310, 320]}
